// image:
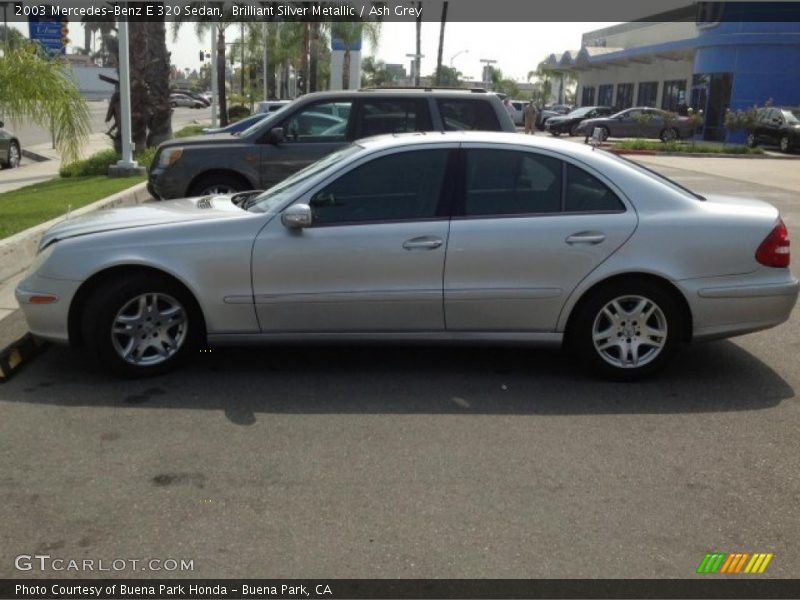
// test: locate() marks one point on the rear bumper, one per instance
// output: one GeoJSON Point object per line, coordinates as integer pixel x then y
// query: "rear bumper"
{"type": "Point", "coordinates": [729, 306]}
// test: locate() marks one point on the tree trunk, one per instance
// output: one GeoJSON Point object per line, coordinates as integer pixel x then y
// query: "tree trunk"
{"type": "Point", "coordinates": [137, 31]}
{"type": "Point", "coordinates": [441, 45]}
{"type": "Point", "coordinates": [346, 68]}
{"type": "Point", "coordinates": [302, 88]}
{"type": "Point", "coordinates": [159, 125]}
{"type": "Point", "coordinates": [313, 65]}
{"type": "Point", "coordinates": [223, 103]}
{"type": "Point", "coordinates": [417, 61]}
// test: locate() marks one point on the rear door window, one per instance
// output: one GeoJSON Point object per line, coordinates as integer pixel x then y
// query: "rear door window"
{"type": "Point", "coordinates": [586, 193]}
{"type": "Point", "coordinates": [467, 115]}
{"type": "Point", "coordinates": [383, 115]}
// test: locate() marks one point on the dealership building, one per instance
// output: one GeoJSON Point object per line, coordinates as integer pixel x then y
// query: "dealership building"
{"type": "Point", "coordinates": [711, 58]}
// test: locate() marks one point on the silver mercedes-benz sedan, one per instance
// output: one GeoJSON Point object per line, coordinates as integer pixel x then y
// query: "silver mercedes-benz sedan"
{"type": "Point", "coordinates": [458, 237]}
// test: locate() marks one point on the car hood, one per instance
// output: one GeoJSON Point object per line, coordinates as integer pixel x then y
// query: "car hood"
{"type": "Point", "coordinates": [145, 215]}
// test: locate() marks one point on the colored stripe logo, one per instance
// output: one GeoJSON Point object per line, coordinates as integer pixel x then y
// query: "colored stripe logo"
{"type": "Point", "coordinates": [734, 562]}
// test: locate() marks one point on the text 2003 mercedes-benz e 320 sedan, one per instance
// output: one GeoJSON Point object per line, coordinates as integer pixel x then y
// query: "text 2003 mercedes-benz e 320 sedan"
{"type": "Point", "coordinates": [462, 236]}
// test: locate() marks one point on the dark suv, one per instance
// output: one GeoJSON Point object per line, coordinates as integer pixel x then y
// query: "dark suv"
{"type": "Point", "coordinates": [308, 129]}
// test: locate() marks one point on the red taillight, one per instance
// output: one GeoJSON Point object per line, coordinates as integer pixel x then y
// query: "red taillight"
{"type": "Point", "coordinates": [774, 250]}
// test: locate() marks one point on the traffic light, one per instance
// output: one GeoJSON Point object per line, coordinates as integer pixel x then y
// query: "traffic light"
{"type": "Point", "coordinates": [64, 32]}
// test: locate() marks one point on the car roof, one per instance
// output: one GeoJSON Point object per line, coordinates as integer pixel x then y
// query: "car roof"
{"type": "Point", "coordinates": [388, 91]}
{"type": "Point", "coordinates": [503, 138]}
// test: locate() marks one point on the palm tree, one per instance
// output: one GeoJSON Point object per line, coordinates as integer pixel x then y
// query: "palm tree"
{"type": "Point", "coordinates": [441, 45]}
{"type": "Point", "coordinates": [351, 33]}
{"type": "Point", "coordinates": [37, 88]}
{"type": "Point", "coordinates": [201, 29]}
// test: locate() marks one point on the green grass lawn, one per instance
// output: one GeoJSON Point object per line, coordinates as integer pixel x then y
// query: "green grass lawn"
{"type": "Point", "coordinates": [34, 204]}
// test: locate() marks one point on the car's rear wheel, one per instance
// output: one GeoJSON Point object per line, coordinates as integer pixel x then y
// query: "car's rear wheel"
{"type": "Point", "coordinates": [555, 132]}
{"type": "Point", "coordinates": [751, 140]}
{"type": "Point", "coordinates": [217, 183]}
{"type": "Point", "coordinates": [14, 155]}
{"type": "Point", "coordinates": [670, 134]}
{"type": "Point", "coordinates": [142, 325]}
{"type": "Point", "coordinates": [627, 330]}
{"type": "Point", "coordinates": [785, 144]}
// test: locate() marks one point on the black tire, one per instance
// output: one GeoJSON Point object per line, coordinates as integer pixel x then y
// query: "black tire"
{"type": "Point", "coordinates": [751, 140]}
{"type": "Point", "coordinates": [785, 144]}
{"type": "Point", "coordinates": [590, 317]}
{"type": "Point", "coordinates": [555, 133]}
{"type": "Point", "coordinates": [670, 134]}
{"type": "Point", "coordinates": [14, 156]}
{"type": "Point", "coordinates": [104, 307]}
{"type": "Point", "coordinates": [218, 183]}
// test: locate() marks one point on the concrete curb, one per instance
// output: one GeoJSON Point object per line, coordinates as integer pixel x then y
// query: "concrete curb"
{"type": "Point", "coordinates": [17, 345]}
{"type": "Point", "coordinates": [18, 251]}
{"type": "Point", "coordinates": [34, 156]}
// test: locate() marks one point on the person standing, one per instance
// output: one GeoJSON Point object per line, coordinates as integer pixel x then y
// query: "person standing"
{"type": "Point", "coordinates": [530, 117]}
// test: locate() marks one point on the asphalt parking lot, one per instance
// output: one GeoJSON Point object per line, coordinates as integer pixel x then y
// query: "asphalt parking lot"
{"type": "Point", "coordinates": [413, 461]}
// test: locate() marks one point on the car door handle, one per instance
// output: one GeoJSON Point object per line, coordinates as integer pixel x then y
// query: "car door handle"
{"type": "Point", "coordinates": [423, 243]}
{"type": "Point", "coordinates": [586, 237]}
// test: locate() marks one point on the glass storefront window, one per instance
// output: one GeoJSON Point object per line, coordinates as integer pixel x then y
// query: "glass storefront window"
{"type": "Point", "coordinates": [674, 95]}
{"type": "Point", "coordinates": [624, 96]}
{"type": "Point", "coordinates": [587, 97]}
{"type": "Point", "coordinates": [647, 93]}
{"type": "Point", "coordinates": [605, 95]}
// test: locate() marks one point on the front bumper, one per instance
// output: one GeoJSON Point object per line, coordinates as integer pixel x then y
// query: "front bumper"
{"type": "Point", "coordinates": [166, 184]}
{"type": "Point", "coordinates": [47, 321]}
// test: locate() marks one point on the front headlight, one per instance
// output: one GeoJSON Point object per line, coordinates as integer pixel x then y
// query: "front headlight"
{"type": "Point", "coordinates": [169, 156]}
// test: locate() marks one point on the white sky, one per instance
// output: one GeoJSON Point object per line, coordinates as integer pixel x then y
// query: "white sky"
{"type": "Point", "coordinates": [517, 47]}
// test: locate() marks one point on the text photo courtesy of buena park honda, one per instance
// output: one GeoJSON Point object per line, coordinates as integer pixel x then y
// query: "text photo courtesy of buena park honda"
{"type": "Point", "coordinates": [399, 299]}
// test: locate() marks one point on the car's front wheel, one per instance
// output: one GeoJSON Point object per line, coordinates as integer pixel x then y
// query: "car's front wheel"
{"type": "Point", "coordinates": [785, 144]}
{"type": "Point", "coordinates": [142, 325]}
{"type": "Point", "coordinates": [627, 330]}
{"type": "Point", "coordinates": [14, 155]}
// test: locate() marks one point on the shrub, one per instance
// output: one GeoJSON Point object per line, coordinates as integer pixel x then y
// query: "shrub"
{"type": "Point", "coordinates": [99, 162]}
{"type": "Point", "coordinates": [189, 131]}
{"type": "Point", "coordinates": [237, 112]}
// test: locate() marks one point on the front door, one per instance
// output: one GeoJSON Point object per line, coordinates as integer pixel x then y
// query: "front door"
{"type": "Point", "coordinates": [311, 132]}
{"type": "Point", "coordinates": [373, 259]}
{"type": "Point", "coordinates": [530, 227]}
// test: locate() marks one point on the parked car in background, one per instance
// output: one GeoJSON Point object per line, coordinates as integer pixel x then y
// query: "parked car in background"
{"type": "Point", "coordinates": [270, 106]}
{"type": "Point", "coordinates": [203, 97]}
{"type": "Point", "coordinates": [550, 110]}
{"type": "Point", "coordinates": [569, 123]}
{"type": "Point", "coordinates": [776, 126]}
{"type": "Point", "coordinates": [238, 126]}
{"type": "Point", "coordinates": [10, 149]}
{"type": "Point", "coordinates": [657, 124]}
{"type": "Point", "coordinates": [176, 99]}
{"type": "Point", "coordinates": [308, 129]}
{"type": "Point", "coordinates": [519, 112]}
{"type": "Point", "coordinates": [545, 243]}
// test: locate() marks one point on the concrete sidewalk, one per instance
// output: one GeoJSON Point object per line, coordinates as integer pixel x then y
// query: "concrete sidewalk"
{"type": "Point", "coordinates": [32, 171]}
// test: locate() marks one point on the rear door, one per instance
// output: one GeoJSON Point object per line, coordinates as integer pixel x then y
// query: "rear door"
{"type": "Point", "coordinates": [528, 228]}
{"type": "Point", "coordinates": [379, 116]}
{"type": "Point", "coordinates": [311, 132]}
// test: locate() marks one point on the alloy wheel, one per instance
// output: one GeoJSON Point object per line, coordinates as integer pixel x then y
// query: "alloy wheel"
{"type": "Point", "coordinates": [217, 189]}
{"type": "Point", "coordinates": [629, 332]}
{"type": "Point", "coordinates": [149, 329]}
{"type": "Point", "coordinates": [784, 144]}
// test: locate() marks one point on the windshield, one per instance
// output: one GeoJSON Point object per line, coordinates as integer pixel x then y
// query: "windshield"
{"type": "Point", "coordinates": [579, 112]}
{"type": "Point", "coordinates": [276, 195]}
{"type": "Point", "coordinates": [791, 115]}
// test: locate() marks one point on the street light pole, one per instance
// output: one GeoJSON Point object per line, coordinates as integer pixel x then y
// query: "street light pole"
{"type": "Point", "coordinates": [460, 52]}
{"type": "Point", "coordinates": [127, 165]}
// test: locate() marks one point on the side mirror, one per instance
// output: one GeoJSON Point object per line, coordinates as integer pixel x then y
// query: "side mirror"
{"type": "Point", "coordinates": [276, 136]}
{"type": "Point", "coordinates": [297, 216]}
